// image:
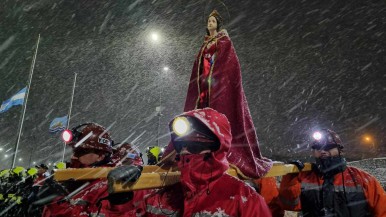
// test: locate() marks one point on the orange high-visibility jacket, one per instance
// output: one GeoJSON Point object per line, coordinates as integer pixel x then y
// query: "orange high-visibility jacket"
{"type": "Point", "coordinates": [356, 193]}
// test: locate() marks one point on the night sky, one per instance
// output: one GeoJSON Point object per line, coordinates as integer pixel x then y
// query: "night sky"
{"type": "Point", "coordinates": [305, 65]}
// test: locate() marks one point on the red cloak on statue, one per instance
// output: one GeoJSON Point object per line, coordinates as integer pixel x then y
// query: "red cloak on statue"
{"type": "Point", "coordinates": [216, 83]}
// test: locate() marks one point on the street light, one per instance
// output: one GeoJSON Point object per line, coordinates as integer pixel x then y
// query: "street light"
{"type": "Point", "coordinates": [20, 159]}
{"type": "Point", "coordinates": [154, 37]}
{"type": "Point", "coordinates": [369, 140]}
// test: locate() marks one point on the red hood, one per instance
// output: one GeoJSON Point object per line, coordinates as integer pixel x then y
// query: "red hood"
{"type": "Point", "coordinates": [198, 171]}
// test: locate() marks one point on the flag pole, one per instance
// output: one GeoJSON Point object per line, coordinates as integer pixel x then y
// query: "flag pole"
{"type": "Point", "coordinates": [69, 114]}
{"type": "Point", "coordinates": [25, 100]}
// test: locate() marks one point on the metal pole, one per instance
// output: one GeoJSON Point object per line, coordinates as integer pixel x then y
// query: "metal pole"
{"type": "Point", "coordinates": [160, 107]}
{"type": "Point", "coordinates": [69, 114]}
{"type": "Point", "coordinates": [25, 101]}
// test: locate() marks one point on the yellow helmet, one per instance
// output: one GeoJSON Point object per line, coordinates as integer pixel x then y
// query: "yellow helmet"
{"type": "Point", "coordinates": [60, 165]}
{"type": "Point", "coordinates": [32, 171]}
{"type": "Point", "coordinates": [19, 171]}
{"type": "Point", "coordinates": [155, 151]}
{"type": "Point", "coordinates": [4, 173]}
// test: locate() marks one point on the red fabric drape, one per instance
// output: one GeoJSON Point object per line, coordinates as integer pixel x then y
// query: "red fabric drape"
{"type": "Point", "coordinates": [225, 94]}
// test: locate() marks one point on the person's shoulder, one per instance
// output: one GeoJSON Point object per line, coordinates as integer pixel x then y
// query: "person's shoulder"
{"type": "Point", "coordinates": [359, 172]}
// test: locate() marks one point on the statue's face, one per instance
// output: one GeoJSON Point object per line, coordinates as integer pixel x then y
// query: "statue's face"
{"type": "Point", "coordinates": [212, 24]}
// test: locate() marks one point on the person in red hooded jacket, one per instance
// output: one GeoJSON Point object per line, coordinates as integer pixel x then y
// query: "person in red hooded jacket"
{"type": "Point", "coordinates": [202, 140]}
{"type": "Point", "coordinates": [92, 147]}
{"type": "Point", "coordinates": [126, 154]}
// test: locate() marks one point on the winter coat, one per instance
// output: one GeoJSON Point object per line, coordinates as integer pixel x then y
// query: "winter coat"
{"type": "Point", "coordinates": [205, 189]}
{"type": "Point", "coordinates": [268, 189]}
{"type": "Point", "coordinates": [356, 193]}
{"type": "Point", "coordinates": [82, 204]}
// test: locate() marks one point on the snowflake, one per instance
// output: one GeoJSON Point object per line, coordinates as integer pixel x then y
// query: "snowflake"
{"type": "Point", "coordinates": [244, 199]}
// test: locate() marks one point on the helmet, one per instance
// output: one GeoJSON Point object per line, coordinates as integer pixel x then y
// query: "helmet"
{"type": "Point", "coordinates": [190, 132]}
{"type": "Point", "coordinates": [20, 171]}
{"type": "Point", "coordinates": [60, 165]}
{"type": "Point", "coordinates": [127, 154]}
{"type": "Point", "coordinates": [32, 171]}
{"type": "Point", "coordinates": [91, 136]}
{"type": "Point", "coordinates": [4, 173]}
{"type": "Point", "coordinates": [326, 139]}
{"type": "Point", "coordinates": [153, 153]}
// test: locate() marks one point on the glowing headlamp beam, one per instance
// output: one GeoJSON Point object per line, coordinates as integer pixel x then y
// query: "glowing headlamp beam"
{"type": "Point", "coordinates": [67, 136]}
{"type": "Point", "coordinates": [317, 135]}
{"type": "Point", "coordinates": [181, 126]}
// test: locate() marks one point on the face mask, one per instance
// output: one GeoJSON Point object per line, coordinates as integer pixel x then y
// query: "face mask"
{"type": "Point", "coordinates": [331, 165]}
{"type": "Point", "coordinates": [196, 147]}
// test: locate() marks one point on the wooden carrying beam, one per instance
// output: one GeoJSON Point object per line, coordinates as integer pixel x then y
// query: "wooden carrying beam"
{"type": "Point", "coordinates": [156, 177]}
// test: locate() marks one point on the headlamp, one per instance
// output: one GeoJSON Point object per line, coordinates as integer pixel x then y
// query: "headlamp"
{"type": "Point", "coordinates": [321, 142]}
{"type": "Point", "coordinates": [181, 126]}
{"type": "Point", "coordinates": [317, 135]}
{"type": "Point", "coordinates": [67, 136]}
{"type": "Point", "coordinates": [195, 136]}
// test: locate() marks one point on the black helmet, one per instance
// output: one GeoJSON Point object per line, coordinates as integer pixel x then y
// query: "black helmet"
{"type": "Point", "coordinates": [326, 139]}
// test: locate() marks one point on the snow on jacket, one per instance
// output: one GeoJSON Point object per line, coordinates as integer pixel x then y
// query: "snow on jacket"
{"type": "Point", "coordinates": [205, 188]}
{"type": "Point", "coordinates": [85, 203]}
{"type": "Point", "coordinates": [357, 193]}
{"type": "Point", "coordinates": [82, 204]}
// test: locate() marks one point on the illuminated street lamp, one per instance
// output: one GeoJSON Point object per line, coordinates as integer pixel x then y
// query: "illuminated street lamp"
{"type": "Point", "coordinates": [20, 159]}
{"type": "Point", "coordinates": [369, 140]}
{"type": "Point", "coordinates": [154, 37]}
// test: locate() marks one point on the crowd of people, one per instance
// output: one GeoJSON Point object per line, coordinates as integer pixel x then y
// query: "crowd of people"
{"type": "Point", "coordinates": [201, 139]}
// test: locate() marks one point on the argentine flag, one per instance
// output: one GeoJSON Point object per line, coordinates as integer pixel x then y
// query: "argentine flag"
{"type": "Point", "coordinates": [17, 99]}
{"type": "Point", "coordinates": [58, 124]}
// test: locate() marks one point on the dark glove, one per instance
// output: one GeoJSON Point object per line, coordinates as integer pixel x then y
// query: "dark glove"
{"type": "Point", "coordinates": [50, 190]}
{"type": "Point", "coordinates": [52, 187]}
{"type": "Point", "coordinates": [298, 163]}
{"type": "Point", "coordinates": [125, 173]}
{"type": "Point", "coordinates": [72, 184]}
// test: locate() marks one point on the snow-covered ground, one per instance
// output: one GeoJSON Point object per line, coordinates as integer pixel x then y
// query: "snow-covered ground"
{"type": "Point", "coordinates": [374, 166]}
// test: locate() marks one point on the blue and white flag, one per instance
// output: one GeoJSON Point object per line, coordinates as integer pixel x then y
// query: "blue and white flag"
{"type": "Point", "coordinates": [58, 124]}
{"type": "Point", "coordinates": [17, 99]}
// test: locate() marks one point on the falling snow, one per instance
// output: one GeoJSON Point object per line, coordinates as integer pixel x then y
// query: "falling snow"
{"type": "Point", "coordinates": [305, 66]}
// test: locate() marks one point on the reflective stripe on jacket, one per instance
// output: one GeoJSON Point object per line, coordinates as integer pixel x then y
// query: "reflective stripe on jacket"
{"type": "Point", "coordinates": [356, 193]}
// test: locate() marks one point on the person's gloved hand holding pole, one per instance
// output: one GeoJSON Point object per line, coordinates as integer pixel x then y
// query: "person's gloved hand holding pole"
{"type": "Point", "coordinates": [124, 174]}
